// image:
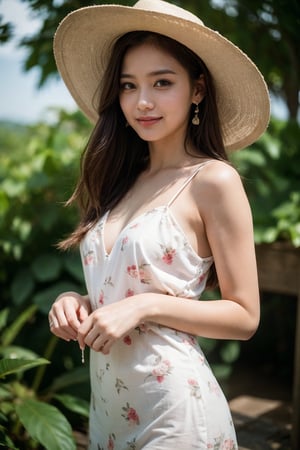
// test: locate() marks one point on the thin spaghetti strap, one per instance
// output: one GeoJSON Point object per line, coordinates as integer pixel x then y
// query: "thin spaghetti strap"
{"type": "Point", "coordinates": [188, 181]}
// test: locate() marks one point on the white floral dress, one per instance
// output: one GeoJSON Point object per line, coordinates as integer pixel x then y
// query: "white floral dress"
{"type": "Point", "coordinates": [155, 390]}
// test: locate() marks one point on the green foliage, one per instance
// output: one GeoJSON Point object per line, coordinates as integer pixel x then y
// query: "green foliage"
{"type": "Point", "coordinates": [6, 30]}
{"type": "Point", "coordinates": [38, 167]}
{"type": "Point", "coordinates": [279, 42]}
{"type": "Point", "coordinates": [27, 420]}
{"type": "Point", "coordinates": [46, 424]}
{"type": "Point", "coordinates": [37, 175]}
{"type": "Point", "coordinates": [271, 172]}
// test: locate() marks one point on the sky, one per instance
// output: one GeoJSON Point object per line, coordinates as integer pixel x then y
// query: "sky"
{"type": "Point", "coordinates": [20, 99]}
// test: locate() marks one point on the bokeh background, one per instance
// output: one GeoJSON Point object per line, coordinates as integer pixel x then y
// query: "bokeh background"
{"type": "Point", "coordinates": [44, 390]}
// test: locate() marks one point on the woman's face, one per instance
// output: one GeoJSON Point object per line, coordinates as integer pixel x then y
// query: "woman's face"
{"type": "Point", "coordinates": [156, 94]}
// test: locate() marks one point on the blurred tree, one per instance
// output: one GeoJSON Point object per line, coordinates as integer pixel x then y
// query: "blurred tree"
{"type": "Point", "coordinates": [6, 30]}
{"type": "Point", "coordinates": [267, 30]}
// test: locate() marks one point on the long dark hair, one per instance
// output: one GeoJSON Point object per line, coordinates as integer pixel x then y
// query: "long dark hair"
{"type": "Point", "coordinates": [115, 155]}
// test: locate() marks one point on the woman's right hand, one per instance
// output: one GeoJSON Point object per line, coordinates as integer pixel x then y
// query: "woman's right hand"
{"type": "Point", "coordinates": [67, 313]}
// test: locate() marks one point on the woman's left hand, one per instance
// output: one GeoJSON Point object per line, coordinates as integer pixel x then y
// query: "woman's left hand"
{"type": "Point", "coordinates": [109, 323]}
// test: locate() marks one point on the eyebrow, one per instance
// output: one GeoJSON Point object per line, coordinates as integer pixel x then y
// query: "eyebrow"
{"type": "Point", "coordinates": [151, 74]}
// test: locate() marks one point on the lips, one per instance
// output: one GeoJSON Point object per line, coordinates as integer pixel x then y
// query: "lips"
{"type": "Point", "coordinates": [148, 120]}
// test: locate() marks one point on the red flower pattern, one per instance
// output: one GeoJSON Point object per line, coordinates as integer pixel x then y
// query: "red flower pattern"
{"type": "Point", "coordinates": [101, 298]}
{"type": "Point", "coordinates": [127, 340]}
{"type": "Point", "coordinates": [129, 293]}
{"type": "Point", "coordinates": [139, 273]}
{"type": "Point", "coordinates": [168, 255]}
{"type": "Point", "coordinates": [131, 415]}
{"type": "Point", "coordinates": [88, 258]}
{"type": "Point", "coordinates": [228, 444]}
{"type": "Point", "coordinates": [111, 443]}
{"type": "Point", "coordinates": [162, 369]}
{"type": "Point", "coordinates": [195, 388]}
{"type": "Point", "coordinates": [201, 278]}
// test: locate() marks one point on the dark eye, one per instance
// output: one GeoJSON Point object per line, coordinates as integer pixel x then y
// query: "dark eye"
{"type": "Point", "coordinates": [162, 83]}
{"type": "Point", "coordinates": [127, 86]}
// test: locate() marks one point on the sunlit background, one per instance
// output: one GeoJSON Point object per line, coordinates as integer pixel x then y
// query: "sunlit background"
{"type": "Point", "coordinates": [20, 99]}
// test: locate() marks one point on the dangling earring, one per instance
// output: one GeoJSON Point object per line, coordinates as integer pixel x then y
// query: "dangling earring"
{"type": "Point", "coordinates": [196, 119]}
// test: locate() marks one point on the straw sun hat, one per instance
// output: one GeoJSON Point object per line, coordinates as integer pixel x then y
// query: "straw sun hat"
{"type": "Point", "coordinates": [82, 45]}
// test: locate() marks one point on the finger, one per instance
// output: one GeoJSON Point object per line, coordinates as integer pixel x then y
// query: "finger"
{"type": "Point", "coordinates": [51, 320]}
{"type": "Point", "coordinates": [97, 344]}
{"type": "Point", "coordinates": [81, 342]}
{"type": "Point", "coordinates": [101, 346]}
{"type": "Point", "coordinates": [60, 328]}
{"type": "Point", "coordinates": [82, 314]}
{"type": "Point", "coordinates": [83, 330]}
{"type": "Point", "coordinates": [92, 336]}
{"type": "Point", "coordinates": [66, 325]}
{"type": "Point", "coordinates": [70, 314]}
{"type": "Point", "coordinates": [56, 330]}
{"type": "Point", "coordinates": [105, 349]}
{"type": "Point", "coordinates": [61, 334]}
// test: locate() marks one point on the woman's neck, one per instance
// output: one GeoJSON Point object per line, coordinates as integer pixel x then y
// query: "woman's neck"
{"type": "Point", "coordinates": [171, 156]}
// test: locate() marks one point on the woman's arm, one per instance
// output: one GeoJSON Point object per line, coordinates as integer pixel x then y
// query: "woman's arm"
{"type": "Point", "coordinates": [226, 214]}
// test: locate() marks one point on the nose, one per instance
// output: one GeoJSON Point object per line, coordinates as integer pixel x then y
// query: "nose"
{"type": "Point", "coordinates": [144, 101]}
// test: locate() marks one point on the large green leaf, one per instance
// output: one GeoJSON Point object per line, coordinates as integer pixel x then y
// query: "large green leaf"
{"type": "Point", "coordinates": [9, 366]}
{"type": "Point", "coordinates": [22, 286]}
{"type": "Point", "coordinates": [3, 317]}
{"type": "Point", "coordinates": [14, 351]}
{"type": "Point", "coordinates": [12, 331]}
{"type": "Point", "coordinates": [4, 393]}
{"type": "Point", "coordinates": [46, 424]}
{"type": "Point", "coordinates": [74, 404]}
{"type": "Point", "coordinates": [78, 375]}
{"type": "Point", "coordinates": [47, 267]}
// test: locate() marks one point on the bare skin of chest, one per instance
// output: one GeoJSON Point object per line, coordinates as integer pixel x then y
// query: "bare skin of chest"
{"type": "Point", "coordinates": [156, 190]}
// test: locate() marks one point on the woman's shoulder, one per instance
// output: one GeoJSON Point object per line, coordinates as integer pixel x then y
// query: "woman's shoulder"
{"type": "Point", "coordinates": [217, 180]}
{"type": "Point", "coordinates": [215, 173]}
{"type": "Point", "coordinates": [218, 188]}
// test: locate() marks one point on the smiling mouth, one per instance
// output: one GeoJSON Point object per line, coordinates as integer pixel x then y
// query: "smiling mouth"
{"type": "Point", "coordinates": [148, 120]}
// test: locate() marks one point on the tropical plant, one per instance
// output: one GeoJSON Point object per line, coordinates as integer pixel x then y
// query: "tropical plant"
{"type": "Point", "coordinates": [271, 173]}
{"type": "Point", "coordinates": [37, 165]}
{"type": "Point", "coordinates": [28, 419]}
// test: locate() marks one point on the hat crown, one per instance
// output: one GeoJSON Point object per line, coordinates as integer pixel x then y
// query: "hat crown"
{"type": "Point", "coordinates": [163, 7]}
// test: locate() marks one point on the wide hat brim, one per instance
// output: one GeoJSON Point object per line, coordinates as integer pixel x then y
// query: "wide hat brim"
{"type": "Point", "coordinates": [82, 46]}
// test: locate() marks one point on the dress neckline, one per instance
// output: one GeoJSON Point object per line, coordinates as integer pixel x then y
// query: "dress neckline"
{"type": "Point", "coordinates": [132, 223]}
{"type": "Point", "coordinates": [160, 207]}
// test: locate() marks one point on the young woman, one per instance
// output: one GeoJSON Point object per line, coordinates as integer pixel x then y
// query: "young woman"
{"type": "Point", "coordinates": [163, 216]}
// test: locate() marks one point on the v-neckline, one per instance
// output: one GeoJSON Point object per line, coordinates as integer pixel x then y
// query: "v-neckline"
{"type": "Point", "coordinates": [139, 216]}
{"type": "Point", "coordinates": [127, 225]}
{"type": "Point", "coordinates": [136, 219]}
